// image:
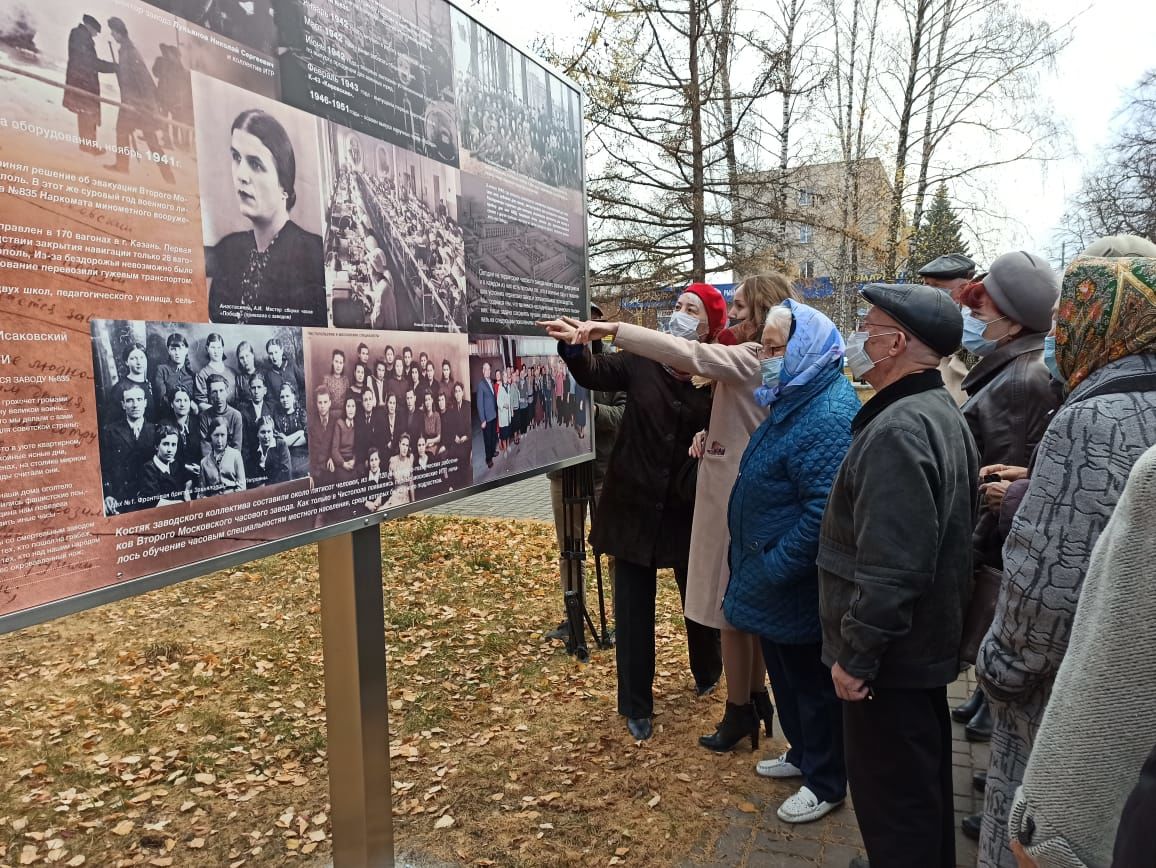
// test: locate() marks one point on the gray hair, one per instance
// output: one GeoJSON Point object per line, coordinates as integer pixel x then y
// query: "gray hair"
{"type": "Point", "coordinates": [780, 317]}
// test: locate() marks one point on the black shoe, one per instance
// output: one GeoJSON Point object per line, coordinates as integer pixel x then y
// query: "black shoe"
{"type": "Point", "coordinates": [965, 712]}
{"type": "Point", "coordinates": [738, 723]}
{"type": "Point", "coordinates": [764, 710]}
{"type": "Point", "coordinates": [706, 689]}
{"type": "Point", "coordinates": [640, 728]}
{"type": "Point", "coordinates": [971, 825]}
{"type": "Point", "coordinates": [979, 781]}
{"type": "Point", "coordinates": [562, 631]}
{"type": "Point", "coordinates": [979, 727]}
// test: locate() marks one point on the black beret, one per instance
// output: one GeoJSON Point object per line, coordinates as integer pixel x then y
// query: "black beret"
{"type": "Point", "coordinates": [926, 312]}
{"type": "Point", "coordinates": [949, 267]}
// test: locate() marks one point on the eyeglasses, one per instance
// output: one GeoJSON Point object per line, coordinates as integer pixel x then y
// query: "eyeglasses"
{"type": "Point", "coordinates": [769, 352]}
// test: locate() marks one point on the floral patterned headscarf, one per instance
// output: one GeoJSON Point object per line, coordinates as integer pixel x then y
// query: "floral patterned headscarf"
{"type": "Point", "coordinates": [1107, 311]}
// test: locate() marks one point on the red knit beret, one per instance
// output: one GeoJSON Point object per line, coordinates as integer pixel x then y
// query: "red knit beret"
{"type": "Point", "coordinates": [715, 306]}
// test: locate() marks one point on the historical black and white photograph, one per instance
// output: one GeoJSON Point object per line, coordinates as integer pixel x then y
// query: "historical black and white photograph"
{"type": "Point", "coordinates": [526, 258]}
{"type": "Point", "coordinates": [260, 208]}
{"type": "Point", "coordinates": [528, 410]}
{"type": "Point", "coordinates": [389, 416]}
{"type": "Point", "coordinates": [394, 254]}
{"type": "Point", "coordinates": [113, 79]}
{"type": "Point", "coordinates": [189, 410]}
{"type": "Point", "coordinates": [249, 22]}
{"type": "Point", "coordinates": [514, 116]}
{"type": "Point", "coordinates": [383, 67]}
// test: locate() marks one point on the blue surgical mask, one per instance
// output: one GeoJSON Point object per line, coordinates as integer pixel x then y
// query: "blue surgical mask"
{"type": "Point", "coordinates": [1050, 359]}
{"type": "Point", "coordinates": [973, 331]}
{"type": "Point", "coordinates": [683, 325]}
{"type": "Point", "coordinates": [772, 369]}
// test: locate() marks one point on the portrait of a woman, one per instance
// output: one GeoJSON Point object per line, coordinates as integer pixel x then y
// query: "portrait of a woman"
{"type": "Point", "coordinates": [273, 272]}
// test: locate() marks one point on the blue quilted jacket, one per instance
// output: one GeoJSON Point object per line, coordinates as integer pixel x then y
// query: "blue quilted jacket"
{"type": "Point", "coordinates": [776, 508]}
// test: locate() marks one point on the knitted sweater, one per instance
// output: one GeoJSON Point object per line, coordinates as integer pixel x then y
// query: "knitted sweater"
{"type": "Point", "coordinates": [1099, 726]}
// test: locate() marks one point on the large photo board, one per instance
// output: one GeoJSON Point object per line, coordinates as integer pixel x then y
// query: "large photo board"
{"type": "Point", "coordinates": [257, 263]}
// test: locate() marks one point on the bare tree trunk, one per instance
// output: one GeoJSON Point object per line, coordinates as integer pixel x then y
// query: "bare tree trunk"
{"type": "Point", "coordinates": [787, 86]}
{"type": "Point", "coordinates": [906, 111]}
{"type": "Point", "coordinates": [846, 141]}
{"type": "Point", "coordinates": [928, 144]}
{"type": "Point", "coordinates": [725, 45]}
{"type": "Point", "coordinates": [698, 173]}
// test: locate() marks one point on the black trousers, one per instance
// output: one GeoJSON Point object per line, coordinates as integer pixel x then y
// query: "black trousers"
{"type": "Point", "coordinates": [490, 438]}
{"type": "Point", "coordinates": [635, 587]}
{"type": "Point", "coordinates": [899, 764]}
{"type": "Point", "coordinates": [810, 714]}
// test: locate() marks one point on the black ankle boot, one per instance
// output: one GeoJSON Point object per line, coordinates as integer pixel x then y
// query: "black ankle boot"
{"type": "Point", "coordinates": [738, 722]}
{"type": "Point", "coordinates": [965, 712]}
{"type": "Point", "coordinates": [979, 727]}
{"type": "Point", "coordinates": [971, 826]}
{"type": "Point", "coordinates": [764, 710]}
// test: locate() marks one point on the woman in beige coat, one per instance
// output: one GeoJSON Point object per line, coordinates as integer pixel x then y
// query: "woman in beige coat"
{"type": "Point", "coordinates": [734, 373]}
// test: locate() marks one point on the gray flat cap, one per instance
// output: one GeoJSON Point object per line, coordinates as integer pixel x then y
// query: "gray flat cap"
{"type": "Point", "coordinates": [1025, 287]}
{"type": "Point", "coordinates": [926, 312]}
{"type": "Point", "coordinates": [949, 267]}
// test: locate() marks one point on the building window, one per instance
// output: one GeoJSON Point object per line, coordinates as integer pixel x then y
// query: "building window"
{"type": "Point", "coordinates": [806, 197]}
{"type": "Point", "coordinates": [805, 234]}
{"type": "Point", "coordinates": [808, 270]}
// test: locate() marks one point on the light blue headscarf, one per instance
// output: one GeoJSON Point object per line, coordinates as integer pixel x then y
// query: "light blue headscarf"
{"type": "Point", "coordinates": [815, 346]}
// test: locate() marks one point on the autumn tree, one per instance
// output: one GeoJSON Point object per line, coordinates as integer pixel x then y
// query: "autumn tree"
{"type": "Point", "coordinates": [1119, 195]}
{"type": "Point", "coordinates": [854, 37]}
{"type": "Point", "coordinates": [679, 115]}
{"type": "Point", "coordinates": [970, 71]}
{"type": "Point", "coordinates": [940, 232]}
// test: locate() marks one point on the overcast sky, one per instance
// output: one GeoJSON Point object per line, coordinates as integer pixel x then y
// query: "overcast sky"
{"type": "Point", "coordinates": [1112, 46]}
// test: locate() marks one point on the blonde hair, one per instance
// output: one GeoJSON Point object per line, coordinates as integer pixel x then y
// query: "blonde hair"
{"type": "Point", "coordinates": [763, 292]}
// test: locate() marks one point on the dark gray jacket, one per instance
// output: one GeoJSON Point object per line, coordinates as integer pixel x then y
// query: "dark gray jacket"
{"type": "Point", "coordinates": [895, 557]}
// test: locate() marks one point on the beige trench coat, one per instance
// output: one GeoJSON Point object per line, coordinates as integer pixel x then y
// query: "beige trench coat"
{"type": "Point", "coordinates": [734, 416]}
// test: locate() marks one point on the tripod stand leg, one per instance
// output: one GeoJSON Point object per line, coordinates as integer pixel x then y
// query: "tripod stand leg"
{"type": "Point", "coordinates": [603, 637]}
{"type": "Point", "coordinates": [576, 643]}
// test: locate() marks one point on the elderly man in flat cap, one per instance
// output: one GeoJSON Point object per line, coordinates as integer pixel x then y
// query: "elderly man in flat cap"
{"type": "Point", "coordinates": [895, 572]}
{"type": "Point", "coordinates": [951, 273]}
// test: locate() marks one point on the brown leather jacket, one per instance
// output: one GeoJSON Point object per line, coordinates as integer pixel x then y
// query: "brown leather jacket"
{"type": "Point", "coordinates": [1010, 403]}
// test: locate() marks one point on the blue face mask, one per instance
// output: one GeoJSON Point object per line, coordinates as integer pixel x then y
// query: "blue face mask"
{"type": "Point", "coordinates": [1050, 359]}
{"type": "Point", "coordinates": [772, 369]}
{"type": "Point", "coordinates": [973, 330]}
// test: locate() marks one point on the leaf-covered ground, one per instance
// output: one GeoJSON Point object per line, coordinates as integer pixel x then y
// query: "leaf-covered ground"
{"type": "Point", "coordinates": [187, 726]}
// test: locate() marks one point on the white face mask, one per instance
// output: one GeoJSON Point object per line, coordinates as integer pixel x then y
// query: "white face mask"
{"type": "Point", "coordinates": [683, 325]}
{"type": "Point", "coordinates": [857, 357]}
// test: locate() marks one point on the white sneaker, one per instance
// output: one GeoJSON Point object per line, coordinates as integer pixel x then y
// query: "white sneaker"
{"type": "Point", "coordinates": [804, 807]}
{"type": "Point", "coordinates": [778, 768]}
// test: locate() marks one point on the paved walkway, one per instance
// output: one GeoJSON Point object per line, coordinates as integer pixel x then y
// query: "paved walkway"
{"type": "Point", "coordinates": [529, 498]}
{"type": "Point", "coordinates": [761, 839]}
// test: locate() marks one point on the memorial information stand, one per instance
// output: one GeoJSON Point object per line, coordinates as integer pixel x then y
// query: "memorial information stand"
{"type": "Point", "coordinates": [269, 273]}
